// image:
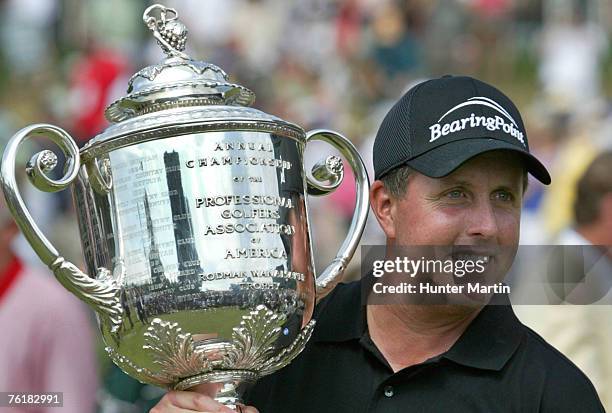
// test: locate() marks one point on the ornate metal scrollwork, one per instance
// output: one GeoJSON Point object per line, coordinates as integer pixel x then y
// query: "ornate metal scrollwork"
{"type": "Point", "coordinates": [101, 293]}
{"type": "Point", "coordinates": [170, 34]}
{"type": "Point", "coordinates": [330, 169]}
{"type": "Point", "coordinates": [287, 355]}
{"type": "Point", "coordinates": [141, 374]}
{"type": "Point", "coordinates": [250, 353]}
{"type": "Point", "coordinates": [174, 350]}
{"type": "Point", "coordinates": [253, 340]}
{"type": "Point", "coordinates": [333, 171]}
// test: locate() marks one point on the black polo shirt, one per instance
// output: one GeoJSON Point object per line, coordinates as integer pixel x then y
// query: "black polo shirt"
{"type": "Point", "coordinates": [497, 365]}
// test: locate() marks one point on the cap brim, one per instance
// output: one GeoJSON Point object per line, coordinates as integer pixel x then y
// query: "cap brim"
{"type": "Point", "coordinates": [444, 159]}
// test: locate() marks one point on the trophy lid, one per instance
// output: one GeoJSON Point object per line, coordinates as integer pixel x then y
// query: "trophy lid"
{"type": "Point", "coordinates": [178, 95]}
{"type": "Point", "coordinates": [178, 81]}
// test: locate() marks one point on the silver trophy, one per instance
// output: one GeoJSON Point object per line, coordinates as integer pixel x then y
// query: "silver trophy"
{"type": "Point", "coordinates": [193, 219]}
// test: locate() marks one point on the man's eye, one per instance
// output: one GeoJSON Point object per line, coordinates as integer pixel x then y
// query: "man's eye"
{"type": "Point", "coordinates": [455, 194]}
{"type": "Point", "coordinates": [504, 196]}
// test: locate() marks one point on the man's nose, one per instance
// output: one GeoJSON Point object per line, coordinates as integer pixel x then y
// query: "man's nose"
{"type": "Point", "coordinates": [482, 221]}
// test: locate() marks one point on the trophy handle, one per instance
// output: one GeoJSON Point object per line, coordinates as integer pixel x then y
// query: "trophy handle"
{"type": "Point", "coordinates": [332, 171]}
{"type": "Point", "coordinates": [103, 293]}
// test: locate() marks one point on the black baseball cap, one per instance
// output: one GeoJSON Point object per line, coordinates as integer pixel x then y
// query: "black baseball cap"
{"type": "Point", "coordinates": [441, 123]}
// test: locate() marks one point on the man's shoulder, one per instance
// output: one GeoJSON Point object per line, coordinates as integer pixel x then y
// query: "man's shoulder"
{"type": "Point", "coordinates": [336, 318]}
{"type": "Point", "coordinates": [545, 355]}
{"type": "Point", "coordinates": [561, 384]}
{"type": "Point", "coordinates": [344, 297]}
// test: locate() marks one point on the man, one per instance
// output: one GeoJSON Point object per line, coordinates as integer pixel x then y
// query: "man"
{"type": "Point", "coordinates": [583, 332]}
{"type": "Point", "coordinates": [592, 229]}
{"type": "Point", "coordinates": [46, 337]}
{"type": "Point", "coordinates": [593, 205]}
{"type": "Point", "coordinates": [450, 162]}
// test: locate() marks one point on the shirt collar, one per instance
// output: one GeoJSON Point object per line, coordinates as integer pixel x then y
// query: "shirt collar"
{"type": "Point", "coordinates": [341, 315]}
{"type": "Point", "coordinates": [488, 342]}
{"type": "Point", "coordinates": [491, 338]}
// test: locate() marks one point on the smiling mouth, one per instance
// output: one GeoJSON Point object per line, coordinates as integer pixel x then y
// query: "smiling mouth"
{"type": "Point", "coordinates": [472, 257]}
{"type": "Point", "coordinates": [479, 267]}
{"type": "Point", "coordinates": [474, 253]}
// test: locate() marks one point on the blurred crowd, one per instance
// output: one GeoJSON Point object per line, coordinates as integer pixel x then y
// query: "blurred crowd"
{"type": "Point", "coordinates": [335, 64]}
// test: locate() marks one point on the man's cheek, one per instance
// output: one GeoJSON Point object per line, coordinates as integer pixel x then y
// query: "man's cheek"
{"type": "Point", "coordinates": [431, 231]}
{"type": "Point", "coordinates": [509, 228]}
{"type": "Point", "coordinates": [444, 227]}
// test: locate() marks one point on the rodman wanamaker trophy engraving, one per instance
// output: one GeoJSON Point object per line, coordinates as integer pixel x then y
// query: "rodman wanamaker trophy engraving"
{"type": "Point", "coordinates": [192, 210]}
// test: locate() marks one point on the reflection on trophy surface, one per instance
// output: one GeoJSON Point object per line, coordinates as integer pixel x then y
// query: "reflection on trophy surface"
{"type": "Point", "coordinates": [193, 217]}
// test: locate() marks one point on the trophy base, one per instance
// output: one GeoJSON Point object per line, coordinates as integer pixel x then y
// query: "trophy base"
{"type": "Point", "coordinates": [233, 381]}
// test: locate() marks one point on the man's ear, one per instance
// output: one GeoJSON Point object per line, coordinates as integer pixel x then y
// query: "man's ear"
{"type": "Point", "coordinates": [383, 206]}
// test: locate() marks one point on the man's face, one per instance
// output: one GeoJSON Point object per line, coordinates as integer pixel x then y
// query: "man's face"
{"type": "Point", "coordinates": [478, 204]}
{"type": "Point", "coordinates": [472, 214]}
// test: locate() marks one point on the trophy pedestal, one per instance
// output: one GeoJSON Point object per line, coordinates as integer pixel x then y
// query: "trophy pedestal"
{"type": "Point", "coordinates": [232, 385]}
{"type": "Point", "coordinates": [228, 395]}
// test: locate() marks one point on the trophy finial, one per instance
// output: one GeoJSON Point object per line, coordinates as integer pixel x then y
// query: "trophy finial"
{"type": "Point", "coordinates": [170, 33]}
{"type": "Point", "coordinates": [177, 81]}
